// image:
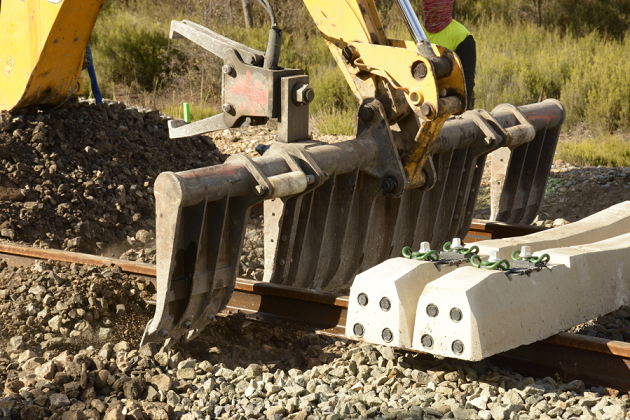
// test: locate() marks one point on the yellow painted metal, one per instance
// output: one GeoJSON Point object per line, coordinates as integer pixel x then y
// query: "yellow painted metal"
{"type": "Point", "coordinates": [42, 49]}
{"type": "Point", "coordinates": [383, 68]}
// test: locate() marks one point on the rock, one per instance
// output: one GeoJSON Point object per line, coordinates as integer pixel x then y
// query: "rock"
{"type": "Point", "coordinates": [134, 388]}
{"type": "Point", "coordinates": [163, 382]}
{"type": "Point", "coordinates": [59, 400]}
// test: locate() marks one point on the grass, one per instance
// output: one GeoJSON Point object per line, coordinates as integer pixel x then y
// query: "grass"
{"type": "Point", "coordinates": [518, 62]}
{"type": "Point", "coordinates": [607, 150]}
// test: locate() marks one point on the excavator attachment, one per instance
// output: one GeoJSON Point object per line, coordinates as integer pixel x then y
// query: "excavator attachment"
{"type": "Point", "coordinates": [332, 211]}
{"type": "Point", "coordinates": [42, 49]}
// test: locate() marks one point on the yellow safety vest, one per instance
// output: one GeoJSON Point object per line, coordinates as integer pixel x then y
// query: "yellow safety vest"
{"type": "Point", "coordinates": [451, 36]}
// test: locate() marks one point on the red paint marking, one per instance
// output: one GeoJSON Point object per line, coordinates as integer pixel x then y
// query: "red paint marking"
{"type": "Point", "coordinates": [257, 96]}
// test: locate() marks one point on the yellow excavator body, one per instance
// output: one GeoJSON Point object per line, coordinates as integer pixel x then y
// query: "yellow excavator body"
{"type": "Point", "coordinates": [42, 49]}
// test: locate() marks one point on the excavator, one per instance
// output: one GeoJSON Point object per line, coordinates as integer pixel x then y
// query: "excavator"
{"type": "Point", "coordinates": [331, 211]}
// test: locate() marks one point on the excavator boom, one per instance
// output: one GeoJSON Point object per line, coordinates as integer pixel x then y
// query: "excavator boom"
{"type": "Point", "coordinates": [42, 49]}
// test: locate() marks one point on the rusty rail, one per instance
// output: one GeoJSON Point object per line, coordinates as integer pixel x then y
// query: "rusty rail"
{"type": "Point", "coordinates": [595, 361]}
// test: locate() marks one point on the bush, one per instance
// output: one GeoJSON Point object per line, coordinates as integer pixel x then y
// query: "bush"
{"type": "Point", "coordinates": [128, 49]}
{"type": "Point", "coordinates": [609, 150]}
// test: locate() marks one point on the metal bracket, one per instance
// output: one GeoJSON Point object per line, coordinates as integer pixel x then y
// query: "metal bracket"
{"type": "Point", "coordinates": [294, 113]}
{"type": "Point", "coordinates": [519, 134]}
{"type": "Point", "coordinates": [495, 133]}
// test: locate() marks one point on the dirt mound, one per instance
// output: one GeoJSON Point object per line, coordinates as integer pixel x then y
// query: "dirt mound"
{"type": "Point", "coordinates": [81, 177]}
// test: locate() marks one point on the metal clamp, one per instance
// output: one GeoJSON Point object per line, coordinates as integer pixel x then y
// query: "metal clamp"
{"type": "Point", "coordinates": [519, 134]}
{"type": "Point", "coordinates": [495, 133]}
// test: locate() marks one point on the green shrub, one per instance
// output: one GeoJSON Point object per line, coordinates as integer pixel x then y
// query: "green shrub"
{"type": "Point", "coordinates": [609, 150]}
{"type": "Point", "coordinates": [128, 49]}
{"type": "Point", "coordinates": [336, 121]}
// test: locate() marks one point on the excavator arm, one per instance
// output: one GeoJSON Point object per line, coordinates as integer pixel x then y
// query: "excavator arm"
{"type": "Point", "coordinates": [43, 45]}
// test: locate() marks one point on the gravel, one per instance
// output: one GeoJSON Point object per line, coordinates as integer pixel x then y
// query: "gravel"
{"type": "Point", "coordinates": [79, 178]}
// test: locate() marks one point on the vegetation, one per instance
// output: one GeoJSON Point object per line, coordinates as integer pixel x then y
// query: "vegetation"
{"type": "Point", "coordinates": [528, 50]}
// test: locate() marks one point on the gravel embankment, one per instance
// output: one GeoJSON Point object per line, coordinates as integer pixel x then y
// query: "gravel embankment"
{"type": "Point", "coordinates": [71, 353]}
{"type": "Point", "coordinates": [80, 178]}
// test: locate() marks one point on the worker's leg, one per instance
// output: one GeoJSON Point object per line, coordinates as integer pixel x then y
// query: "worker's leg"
{"type": "Point", "coordinates": [467, 52]}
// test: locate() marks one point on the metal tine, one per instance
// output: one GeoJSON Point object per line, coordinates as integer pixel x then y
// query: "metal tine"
{"type": "Point", "coordinates": [453, 180]}
{"type": "Point", "coordinates": [286, 231]}
{"type": "Point", "coordinates": [301, 236]}
{"type": "Point", "coordinates": [368, 188]}
{"type": "Point", "coordinates": [209, 242]}
{"type": "Point", "coordinates": [304, 270]}
{"type": "Point", "coordinates": [337, 221]}
{"type": "Point", "coordinates": [472, 192]}
{"type": "Point", "coordinates": [510, 185]}
{"type": "Point", "coordinates": [378, 244]}
{"type": "Point", "coordinates": [405, 225]}
{"type": "Point", "coordinates": [539, 185]}
{"type": "Point", "coordinates": [527, 177]}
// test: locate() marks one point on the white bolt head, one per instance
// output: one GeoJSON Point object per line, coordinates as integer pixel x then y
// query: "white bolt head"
{"type": "Point", "coordinates": [526, 251]}
{"type": "Point", "coordinates": [457, 244]}
{"type": "Point", "coordinates": [425, 247]}
{"type": "Point", "coordinates": [494, 255]}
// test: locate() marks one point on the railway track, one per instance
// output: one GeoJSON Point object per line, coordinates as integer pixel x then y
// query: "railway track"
{"type": "Point", "coordinates": [595, 361]}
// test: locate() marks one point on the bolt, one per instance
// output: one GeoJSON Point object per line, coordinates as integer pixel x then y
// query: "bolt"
{"type": "Point", "coordinates": [456, 314]}
{"type": "Point", "coordinates": [304, 94]}
{"type": "Point", "coordinates": [457, 347]}
{"type": "Point", "coordinates": [457, 244]}
{"type": "Point", "coordinates": [385, 304]}
{"type": "Point", "coordinates": [211, 317]}
{"type": "Point", "coordinates": [349, 54]}
{"type": "Point", "coordinates": [163, 332]}
{"type": "Point", "coordinates": [387, 335]}
{"type": "Point", "coordinates": [358, 330]}
{"type": "Point", "coordinates": [526, 251]}
{"type": "Point", "coordinates": [419, 70]}
{"type": "Point", "coordinates": [425, 247]}
{"type": "Point", "coordinates": [494, 255]}
{"type": "Point", "coordinates": [363, 299]}
{"type": "Point", "coordinates": [310, 178]}
{"type": "Point", "coordinates": [366, 113]}
{"type": "Point", "coordinates": [261, 189]}
{"type": "Point", "coordinates": [426, 110]}
{"type": "Point", "coordinates": [227, 108]}
{"type": "Point", "coordinates": [187, 324]}
{"type": "Point", "coordinates": [281, 262]}
{"type": "Point", "coordinates": [432, 310]}
{"type": "Point", "coordinates": [427, 341]}
{"type": "Point", "coordinates": [227, 69]}
{"type": "Point", "coordinates": [389, 184]}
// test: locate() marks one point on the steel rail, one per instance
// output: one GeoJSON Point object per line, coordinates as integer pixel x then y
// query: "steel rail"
{"type": "Point", "coordinates": [595, 361]}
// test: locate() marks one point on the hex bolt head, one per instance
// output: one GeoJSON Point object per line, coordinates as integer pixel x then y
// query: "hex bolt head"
{"type": "Point", "coordinates": [362, 299]}
{"type": "Point", "coordinates": [526, 251]}
{"type": "Point", "coordinates": [427, 341]}
{"type": "Point", "coordinates": [456, 244]}
{"type": "Point", "coordinates": [227, 108]}
{"type": "Point", "coordinates": [432, 310]}
{"type": "Point", "coordinates": [387, 335]}
{"type": "Point", "coordinates": [187, 324]}
{"type": "Point", "coordinates": [261, 189]}
{"type": "Point", "coordinates": [385, 304]}
{"type": "Point", "coordinates": [425, 247]}
{"type": "Point", "coordinates": [366, 113]}
{"type": "Point", "coordinates": [456, 314]}
{"type": "Point", "coordinates": [163, 332]}
{"type": "Point", "coordinates": [227, 69]}
{"type": "Point", "coordinates": [457, 347]}
{"type": "Point", "coordinates": [426, 110]}
{"type": "Point", "coordinates": [358, 330]}
{"type": "Point", "coordinates": [304, 94]}
{"type": "Point", "coordinates": [494, 255]}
